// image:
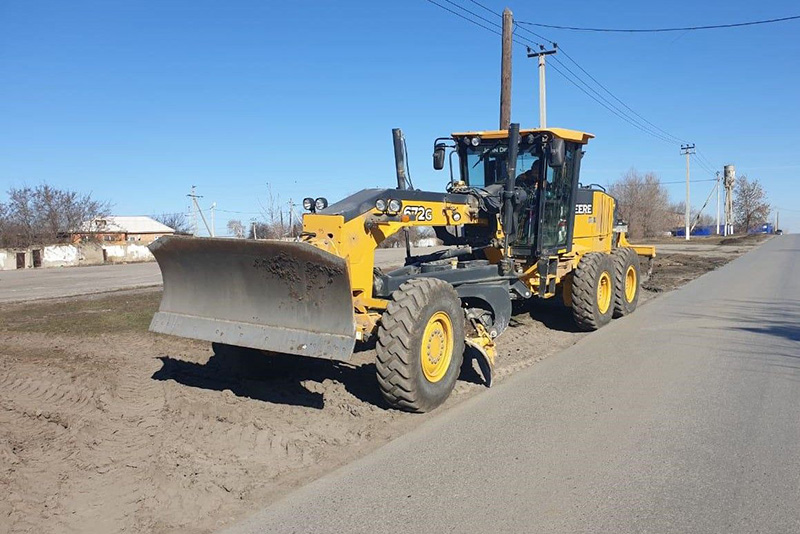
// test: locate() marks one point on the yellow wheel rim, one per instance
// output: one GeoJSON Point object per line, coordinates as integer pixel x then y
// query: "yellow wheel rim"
{"type": "Point", "coordinates": [604, 292]}
{"type": "Point", "coordinates": [630, 283]}
{"type": "Point", "coordinates": [436, 351]}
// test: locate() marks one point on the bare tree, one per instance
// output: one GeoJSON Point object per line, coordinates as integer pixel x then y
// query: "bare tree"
{"type": "Point", "coordinates": [750, 207]}
{"type": "Point", "coordinates": [44, 214]}
{"type": "Point", "coordinates": [263, 230]}
{"type": "Point", "coordinates": [236, 228]}
{"type": "Point", "coordinates": [643, 203]}
{"type": "Point", "coordinates": [176, 221]}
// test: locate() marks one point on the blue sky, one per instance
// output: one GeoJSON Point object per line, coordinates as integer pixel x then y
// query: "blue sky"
{"type": "Point", "coordinates": [138, 101]}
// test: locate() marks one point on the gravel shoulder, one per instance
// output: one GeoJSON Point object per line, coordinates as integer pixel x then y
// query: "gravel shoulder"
{"type": "Point", "coordinates": [109, 428]}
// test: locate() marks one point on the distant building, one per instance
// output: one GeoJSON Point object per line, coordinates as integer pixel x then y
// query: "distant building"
{"type": "Point", "coordinates": [115, 229]}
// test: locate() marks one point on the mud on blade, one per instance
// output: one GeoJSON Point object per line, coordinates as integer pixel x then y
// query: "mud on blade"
{"type": "Point", "coordinates": [271, 295]}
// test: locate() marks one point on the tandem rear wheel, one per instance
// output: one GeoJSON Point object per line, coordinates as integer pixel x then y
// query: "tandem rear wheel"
{"type": "Point", "coordinates": [593, 288]}
{"type": "Point", "coordinates": [627, 272]}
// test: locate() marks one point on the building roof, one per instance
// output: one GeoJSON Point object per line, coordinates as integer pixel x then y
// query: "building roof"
{"type": "Point", "coordinates": [129, 225]}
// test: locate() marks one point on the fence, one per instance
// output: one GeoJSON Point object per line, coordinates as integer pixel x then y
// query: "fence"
{"type": "Point", "coordinates": [72, 255]}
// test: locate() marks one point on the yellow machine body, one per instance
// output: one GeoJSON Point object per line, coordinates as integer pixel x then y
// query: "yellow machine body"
{"type": "Point", "coordinates": [321, 294]}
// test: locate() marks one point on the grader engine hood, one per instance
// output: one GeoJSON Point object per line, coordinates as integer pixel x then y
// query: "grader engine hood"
{"type": "Point", "coordinates": [271, 295]}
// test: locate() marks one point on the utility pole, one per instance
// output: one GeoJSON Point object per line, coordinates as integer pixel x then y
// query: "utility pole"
{"type": "Point", "coordinates": [253, 221]}
{"type": "Point", "coordinates": [291, 218]}
{"type": "Point", "coordinates": [718, 188]}
{"type": "Point", "coordinates": [687, 150]}
{"type": "Point", "coordinates": [777, 220]}
{"type": "Point", "coordinates": [729, 177]}
{"type": "Point", "coordinates": [195, 208]}
{"type": "Point", "coordinates": [505, 69]}
{"type": "Point", "coordinates": [542, 83]}
{"type": "Point", "coordinates": [213, 224]}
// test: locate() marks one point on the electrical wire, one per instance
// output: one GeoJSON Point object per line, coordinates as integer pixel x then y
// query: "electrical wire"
{"type": "Point", "coordinates": [630, 116]}
{"type": "Point", "coordinates": [661, 30]}
{"type": "Point", "coordinates": [672, 138]}
{"type": "Point", "coordinates": [706, 160]}
{"type": "Point", "coordinates": [463, 17]}
{"type": "Point", "coordinates": [690, 181]}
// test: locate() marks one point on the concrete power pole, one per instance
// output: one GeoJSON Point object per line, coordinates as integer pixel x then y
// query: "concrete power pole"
{"type": "Point", "coordinates": [687, 150]}
{"type": "Point", "coordinates": [213, 223]}
{"type": "Point", "coordinates": [505, 70]}
{"type": "Point", "coordinates": [718, 188]}
{"type": "Point", "coordinates": [291, 218]}
{"type": "Point", "coordinates": [194, 197]}
{"type": "Point", "coordinates": [195, 210]}
{"type": "Point", "coordinates": [729, 177]}
{"type": "Point", "coordinates": [542, 83]}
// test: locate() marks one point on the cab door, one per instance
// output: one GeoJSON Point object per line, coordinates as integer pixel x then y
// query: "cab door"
{"type": "Point", "coordinates": [557, 204]}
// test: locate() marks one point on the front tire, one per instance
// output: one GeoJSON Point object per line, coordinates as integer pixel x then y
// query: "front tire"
{"type": "Point", "coordinates": [420, 345]}
{"type": "Point", "coordinates": [593, 289]}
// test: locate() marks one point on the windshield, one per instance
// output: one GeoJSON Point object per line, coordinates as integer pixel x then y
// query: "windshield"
{"type": "Point", "coordinates": [486, 163]}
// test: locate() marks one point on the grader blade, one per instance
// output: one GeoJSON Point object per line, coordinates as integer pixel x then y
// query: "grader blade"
{"type": "Point", "coordinates": [270, 295]}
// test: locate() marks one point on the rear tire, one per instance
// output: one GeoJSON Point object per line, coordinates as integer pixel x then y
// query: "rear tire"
{"type": "Point", "coordinates": [420, 345]}
{"type": "Point", "coordinates": [628, 275]}
{"type": "Point", "coordinates": [593, 285]}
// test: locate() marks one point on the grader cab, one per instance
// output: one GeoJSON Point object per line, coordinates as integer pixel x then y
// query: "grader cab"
{"type": "Point", "coordinates": [518, 226]}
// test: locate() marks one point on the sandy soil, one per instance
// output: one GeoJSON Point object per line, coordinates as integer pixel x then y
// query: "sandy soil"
{"type": "Point", "coordinates": [105, 427]}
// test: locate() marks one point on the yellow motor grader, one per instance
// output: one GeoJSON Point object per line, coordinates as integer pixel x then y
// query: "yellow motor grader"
{"type": "Point", "coordinates": [517, 224]}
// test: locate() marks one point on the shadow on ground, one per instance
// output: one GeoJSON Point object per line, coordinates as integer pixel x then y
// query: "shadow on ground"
{"type": "Point", "coordinates": [778, 318]}
{"type": "Point", "coordinates": [279, 378]}
{"type": "Point", "coordinates": [550, 312]}
{"type": "Point", "coordinates": [271, 377]}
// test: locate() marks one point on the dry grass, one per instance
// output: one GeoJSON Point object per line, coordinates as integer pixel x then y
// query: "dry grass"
{"type": "Point", "coordinates": [120, 312]}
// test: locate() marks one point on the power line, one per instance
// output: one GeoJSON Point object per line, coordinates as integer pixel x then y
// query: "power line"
{"type": "Point", "coordinates": [691, 181]}
{"type": "Point", "coordinates": [459, 6]}
{"type": "Point", "coordinates": [463, 17]}
{"type": "Point", "coordinates": [629, 116]}
{"type": "Point", "coordinates": [603, 102]}
{"type": "Point", "coordinates": [661, 30]}
{"type": "Point", "coordinates": [673, 139]}
{"type": "Point", "coordinates": [708, 161]}
{"type": "Point", "coordinates": [482, 6]}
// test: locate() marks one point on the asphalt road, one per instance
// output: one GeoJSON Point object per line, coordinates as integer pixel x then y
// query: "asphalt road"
{"type": "Point", "coordinates": [36, 284]}
{"type": "Point", "coordinates": [684, 417]}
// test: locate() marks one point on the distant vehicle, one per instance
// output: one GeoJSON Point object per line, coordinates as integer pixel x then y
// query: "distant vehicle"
{"type": "Point", "coordinates": [779, 232]}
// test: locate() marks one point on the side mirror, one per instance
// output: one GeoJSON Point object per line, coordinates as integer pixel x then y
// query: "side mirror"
{"type": "Point", "coordinates": [556, 152]}
{"type": "Point", "coordinates": [438, 156]}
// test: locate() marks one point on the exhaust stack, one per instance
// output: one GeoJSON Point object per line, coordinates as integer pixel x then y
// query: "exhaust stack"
{"type": "Point", "coordinates": [400, 157]}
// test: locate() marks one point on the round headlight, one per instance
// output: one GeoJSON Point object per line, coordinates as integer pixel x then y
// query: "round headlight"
{"type": "Point", "coordinates": [380, 204]}
{"type": "Point", "coordinates": [308, 204]}
{"type": "Point", "coordinates": [395, 205]}
{"type": "Point", "coordinates": [475, 141]}
{"type": "Point", "coordinates": [321, 203]}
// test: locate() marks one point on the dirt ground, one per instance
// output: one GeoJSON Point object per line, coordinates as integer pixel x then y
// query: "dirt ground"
{"type": "Point", "coordinates": [106, 427]}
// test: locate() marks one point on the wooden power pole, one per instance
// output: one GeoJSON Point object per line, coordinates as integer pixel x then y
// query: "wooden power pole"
{"type": "Point", "coordinates": [505, 70]}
